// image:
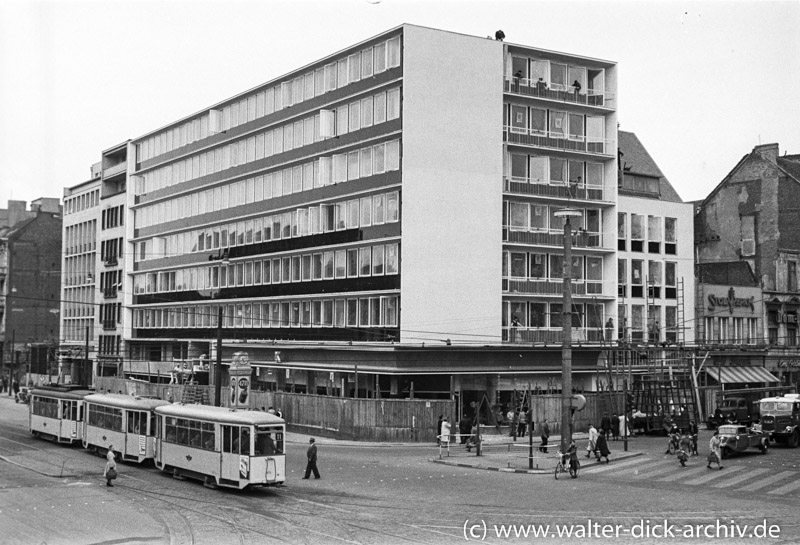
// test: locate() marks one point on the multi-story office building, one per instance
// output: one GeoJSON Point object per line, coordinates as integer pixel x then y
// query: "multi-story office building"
{"type": "Point", "coordinates": [95, 242]}
{"type": "Point", "coordinates": [750, 219]}
{"type": "Point", "coordinates": [30, 270]}
{"type": "Point", "coordinates": [655, 241]}
{"type": "Point", "coordinates": [386, 215]}
{"type": "Point", "coordinates": [112, 258]}
{"type": "Point", "coordinates": [78, 346]}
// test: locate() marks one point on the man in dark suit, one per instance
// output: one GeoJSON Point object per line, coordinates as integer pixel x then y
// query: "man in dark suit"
{"type": "Point", "coordinates": [605, 424]}
{"type": "Point", "coordinates": [311, 454]}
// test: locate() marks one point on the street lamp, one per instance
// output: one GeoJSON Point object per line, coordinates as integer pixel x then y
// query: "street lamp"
{"type": "Point", "coordinates": [566, 330]}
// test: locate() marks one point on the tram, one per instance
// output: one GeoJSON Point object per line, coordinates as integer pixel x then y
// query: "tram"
{"type": "Point", "coordinates": [220, 446]}
{"type": "Point", "coordinates": [56, 412]}
{"type": "Point", "coordinates": [126, 422]}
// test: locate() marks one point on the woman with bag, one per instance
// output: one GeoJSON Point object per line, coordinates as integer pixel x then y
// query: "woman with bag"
{"type": "Point", "coordinates": [715, 453]}
{"type": "Point", "coordinates": [110, 472]}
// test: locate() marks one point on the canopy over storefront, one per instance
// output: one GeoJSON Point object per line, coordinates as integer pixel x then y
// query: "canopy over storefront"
{"type": "Point", "coordinates": [741, 375]}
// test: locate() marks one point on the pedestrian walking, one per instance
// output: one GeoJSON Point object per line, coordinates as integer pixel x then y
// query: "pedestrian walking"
{"type": "Point", "coordinates": [464, 425]}
{"type": "Point", "coordinates": [439, 431]}
{"type": "Point", "coordinates": [602, 447]}
{"type": "Point", "coordinates": [605, 424]}
{"type": "Point", "coordinates": [693, 435]}
{"type": "Point", "coordinates": [682, 457]}
{"type": "Point", "coordinates": [715, 453]}
{"type": "Point", "coordinates": [591, 447]}
{"type": "Point", "coordinates": [523, 422]}
{"type": "Point", "coordinates": [615, 426]}
{"type": "Point", "coordinates": [445, 435]}
{"type": "Point", "coordinates": [311, 454]}
{"type": "Point", "coordinates": [545, 436]}
{"type": "Point", "coordinates": [110, 472]}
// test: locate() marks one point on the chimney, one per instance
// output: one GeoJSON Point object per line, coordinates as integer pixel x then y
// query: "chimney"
{"type": "Point", "coordinates": [768, 152]}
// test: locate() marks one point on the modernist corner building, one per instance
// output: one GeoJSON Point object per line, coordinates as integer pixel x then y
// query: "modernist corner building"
{"type": "Point", "coordinates": [382, 222]}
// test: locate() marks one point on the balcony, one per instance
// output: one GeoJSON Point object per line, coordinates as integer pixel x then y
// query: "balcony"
{"type": "Point", "coordinates": [113, 170]}
{"type": "Point", "coordinates": [556, 190]}
{"type": "Point", "coordinates": [551, 335]}
{"type": "Point", "coordinates": [109, 293]}
{"type": "Point", "coordinates": [555, 287]}
{"type": "Point", "coordinates": [111, 261]}
{"type": "Point", "coordinates": [558, 141]}
{"type": "Point", "coordinates": [581, 239]}
{"type": "Point", "coordinates": [558, 93]}
{"type": "Point", "coordinates": [109, 325]}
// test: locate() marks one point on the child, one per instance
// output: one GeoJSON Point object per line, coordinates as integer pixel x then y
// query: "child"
{"type": "Point", "coordinates": [682, 457]}
{"type": "Point", "coordinates": [685, 443]}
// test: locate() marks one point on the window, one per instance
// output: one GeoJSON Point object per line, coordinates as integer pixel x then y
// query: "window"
{"type": "Point", "coordinates": [670, 236]}
{"type": "Point", "coordinates": [637, 233]}
{"type": "Point", "coordinates": [622, 278]}
{"type": "Point", "coordinates": [748, 237]}
{"type": "Point", "coordinates": [558, 122]}
{"type": "Point", "coordinates": [654, 234]}
{"type": "Point", "coordinates": [518, 215]}
{"type": "Point", "coordinates": [654, 280]}
{"type": "Point", "coordinates": [517, 263]}
{"type": "Point", "coordinates": [519, 119]}
{"type": "Point", "coordinates": [622, 231]}
{"type": "Point", "coordinates": [636, 278]}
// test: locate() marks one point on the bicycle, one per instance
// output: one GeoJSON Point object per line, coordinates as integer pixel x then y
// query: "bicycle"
{"type": "Point", "coordinates": [674, 443]}
{"type": "Point", "coordinates": [563, 466]}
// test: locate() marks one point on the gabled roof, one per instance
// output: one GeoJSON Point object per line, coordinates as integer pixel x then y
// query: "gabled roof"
{"type": "Point", "coordinates": [636, 160]}
{"type": "Point", "coordinates": [790, 164]}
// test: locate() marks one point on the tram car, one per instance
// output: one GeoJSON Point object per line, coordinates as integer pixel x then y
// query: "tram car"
{"type": "Point", "coordinates": [126, 422]}
{"type": "Point", "coordinates": [220, 446]}
{"type": "Point", "coordinates": [56, 412]}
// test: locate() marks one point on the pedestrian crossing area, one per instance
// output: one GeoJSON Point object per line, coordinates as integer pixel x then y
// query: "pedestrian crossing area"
{"type": "Point", "coordinates": [666, 470]}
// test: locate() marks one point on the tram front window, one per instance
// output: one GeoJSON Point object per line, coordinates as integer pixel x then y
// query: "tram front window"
{"type": "Point", "coordinates": [269, 441]}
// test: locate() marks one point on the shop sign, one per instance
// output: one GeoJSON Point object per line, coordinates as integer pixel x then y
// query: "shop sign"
{"type": "Point", "coordinates": [731, 301]}
{"type": "Point", "coordinates": [788, 363]}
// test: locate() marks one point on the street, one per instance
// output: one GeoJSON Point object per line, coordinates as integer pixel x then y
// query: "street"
{"type": "Point", "coordinates": [395, 494]}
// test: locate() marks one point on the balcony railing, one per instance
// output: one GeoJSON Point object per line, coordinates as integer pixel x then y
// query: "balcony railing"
{"type": "Point", "coordinates": [108, 172]}
{"type": "Point", "coordinates": [111, 261]}
{"type": "Point", "coordinates": [581, 239]}
{"type": "Point", "coordinates": [557, 92]}
{"type": "Point", "coordinates": [550, 335]}
{"type": "Point", "coordinates": [557, 141]}
{"type": "Point", "coordinates": [549, 188]}
{"type": "Point", "coordinates": [110, 293]}
{"type": "Point", "coordinates": [555, 286]}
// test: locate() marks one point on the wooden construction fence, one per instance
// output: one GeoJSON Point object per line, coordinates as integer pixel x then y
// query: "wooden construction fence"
{"type": "Point", "coordinates": [400, 420]}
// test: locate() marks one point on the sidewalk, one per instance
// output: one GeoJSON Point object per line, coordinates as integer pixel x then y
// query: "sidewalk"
{"type": "Point", "coordinates": [501, 453]}
{"type": "Point", "coordinates": [498, 452]}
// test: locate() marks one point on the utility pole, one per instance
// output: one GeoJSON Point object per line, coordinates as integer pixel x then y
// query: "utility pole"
{"type": "Point", "coordinates": [218, 364]}
{"type": "Point", "coordinates": [87, 379]}
{"type": "Point", "coordinates": [566, 331]}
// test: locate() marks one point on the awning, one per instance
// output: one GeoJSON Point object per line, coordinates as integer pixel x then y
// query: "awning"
{"type": "Point", "coordinates": [741, 375]}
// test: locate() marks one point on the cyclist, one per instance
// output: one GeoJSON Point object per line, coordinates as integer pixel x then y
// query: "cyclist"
{"type": "Point", "coordinates": [571, 455]}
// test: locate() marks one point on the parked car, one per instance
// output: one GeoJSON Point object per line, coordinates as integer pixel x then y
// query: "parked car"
{"type": "Point", "coordinates": [736, 438]}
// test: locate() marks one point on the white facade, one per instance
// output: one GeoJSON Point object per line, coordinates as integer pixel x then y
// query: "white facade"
{"type": "Point", "coordinates": [451, 197]}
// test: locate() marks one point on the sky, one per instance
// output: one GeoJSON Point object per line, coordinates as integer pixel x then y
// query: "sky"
{"type": "Point", "coordinates": [701, 82]}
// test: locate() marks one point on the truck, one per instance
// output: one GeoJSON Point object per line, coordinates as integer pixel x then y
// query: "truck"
{"type": "Point", "coordinates": [780, 418]}
{"type": "Point", "coordinates": [737, 409]}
